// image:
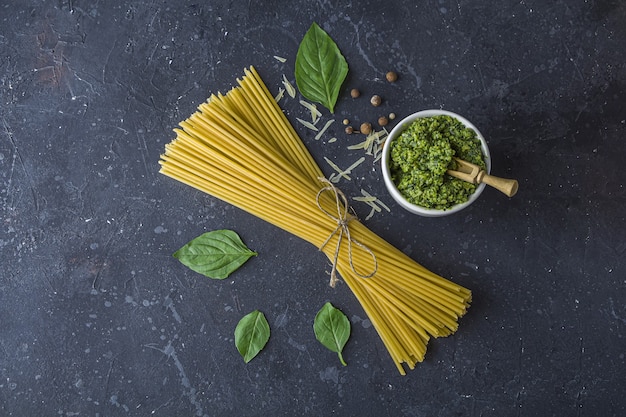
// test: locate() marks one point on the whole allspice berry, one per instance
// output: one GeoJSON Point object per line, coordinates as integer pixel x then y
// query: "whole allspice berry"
{"type": "Point", "coordinates": [349, 130]}
{"type": "Point", "coordinates": [383, 121]}
{"type": "Point", "coordinates": [366, 128]}
{"type": "Point", "coordinates": [391, 76]}
{"type": "Point", "coordinates": [354, 93]}
{"type": "Point", "coordinates": [376, 100]}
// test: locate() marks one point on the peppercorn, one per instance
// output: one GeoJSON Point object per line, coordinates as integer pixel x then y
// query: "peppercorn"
{"type": "Point", "coordinates": [382, 121]}
{"type": "Point", "coordinates": [392, 116]}
{"type": "Point", "coordinates": [349, 130]}
{"type": "Point", "coordinates": [346, 122]}
{"type": "Point", "coordinates": [354, 93]}
{"type": "Point", "coordinates": [391, 76]}
{"type": "Point", "coordinates": [366, 128]}
{"type": "Point", "coordinates": [376, 100]}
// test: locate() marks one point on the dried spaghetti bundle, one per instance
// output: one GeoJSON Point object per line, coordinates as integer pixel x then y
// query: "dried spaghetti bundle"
{"type": "Point", "coordinates": [240, 148]}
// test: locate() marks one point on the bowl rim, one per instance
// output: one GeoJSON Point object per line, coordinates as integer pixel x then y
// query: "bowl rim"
{"type": "Point", "coordinates": [391, 187]}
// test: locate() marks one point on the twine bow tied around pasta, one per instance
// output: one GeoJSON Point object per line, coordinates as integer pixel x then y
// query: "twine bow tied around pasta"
{"type": "Point", "coordinates": [343, 218]}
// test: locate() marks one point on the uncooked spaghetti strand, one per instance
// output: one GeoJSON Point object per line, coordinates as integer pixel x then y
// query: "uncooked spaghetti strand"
{"type": "Point", "coordinates": [292, 140]}
{"type": "Point", "coordinates": [413, 346]}
{"type": "Point", "coordinates": [239, 101]}
{"type": "Point", "coordinates": [225, 113]}
{"type": "Point", "coordinates": [403, 260]}
{"type": "Point", "coordinates": [280, 186]}
{"type": "Point", "coordinates": [277, 138]}
{"type": "Point", "coordinates": [312, 234]}
{"type": "Point", "coordinates": [377, 298]}
{"type": "Point", "coordinates": [297, 224]}
{"type": "Point", "coordinates": [440, 293]}
{"type": "Point", "coordinates": [245, 204]}
{"type": "Point", "coordinates": [421, 314]}
{"type": "Point", "coordinates": [413, 284]}
{"type": "Point", "coordinates": [234, 179]}
{"type": "Point", "coordinates": [230, 113]}
{"type": "Point", "coordinates": [446, 302]}
{"type": "Point", "coordinates": [435, 311]}
{"type": "Point", "coordinates": [274, 139]}
{"type": "Point", "coordinates": [211, 123]}
{"type": "Point", "coordinates": [228, 167]}
{"type": "Point", "coordinates": [316, 224]}
{"type": "Point", "coordinates": [261, 125]}
{"type": "Point", "coordinates": [440, 287]}
{"type": "Point", "coordinates": [400, 309]}
{"type": "Point", "coordinates": [240, 165]}
{"type": "Point", "coordinates": [403, 329]}
{"type": "Point", "coordinates": [418, 282]}
{"type": "Point", "coordinates": [398, 338]}
{"type": "Point", "coordinates": [285, 132]}
{"type": "Point", "coordinates": [391, 342]}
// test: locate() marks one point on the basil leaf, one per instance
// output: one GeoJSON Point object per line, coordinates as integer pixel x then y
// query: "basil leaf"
{"type": "Point", "coordinates": [320, 68]}
{"type": "Point", "coordinates": [251, 335]}
{"type": "Point", "coordinates": [332, 329]}
{"type": "Point", "coordinates": [215, 254]}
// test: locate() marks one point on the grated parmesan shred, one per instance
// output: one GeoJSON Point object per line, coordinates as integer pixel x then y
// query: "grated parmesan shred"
{"type": "Point", "coordinates": [372, 144]}
{"type": "Point", "coordinates": [368, 195]}
{"type": "Point", "coordinates": [280, 95]}
{"type": "Point", "coordinates": [307, 124]}
{"type": "Point", "coordinates": [365, 199]}
{"type": "Point", "coordinates": [335, 178]}
{"type": "Point", "coordinates": [315, 113]}
{"type": "Point", "coordinates": [326, 126]}
{"type": "Point", "coordinates": [289, 87]}
{"type": "Point", "coordinates": [372, 201]}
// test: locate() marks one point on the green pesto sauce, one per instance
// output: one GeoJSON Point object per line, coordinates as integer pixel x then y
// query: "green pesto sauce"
{"type": "Point", "coordinates": [421, 155]}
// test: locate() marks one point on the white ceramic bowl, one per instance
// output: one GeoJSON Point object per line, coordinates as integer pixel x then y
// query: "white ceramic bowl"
{"type": "Point", "coordinates": [395, 132]}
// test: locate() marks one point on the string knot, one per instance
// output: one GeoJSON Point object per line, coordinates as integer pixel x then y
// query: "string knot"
{"type": "Point", "coordinates": [343, 218]}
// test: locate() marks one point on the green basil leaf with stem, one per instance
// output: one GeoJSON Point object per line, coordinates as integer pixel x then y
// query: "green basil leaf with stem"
{"type": "Point", "coordinates": [215, 254]}
{"type": "Point", "coordinates": [332, 329]}
{"type": "Point", "coordinates": [320, 68]}
{"type": "Point", "coordinates": [251, 335]}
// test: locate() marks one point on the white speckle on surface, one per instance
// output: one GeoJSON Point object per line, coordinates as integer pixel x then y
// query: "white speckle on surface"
{"type": "Point", "coordinates": [281, 320]}
{"type": "Point", "coordinates": [330, 374]}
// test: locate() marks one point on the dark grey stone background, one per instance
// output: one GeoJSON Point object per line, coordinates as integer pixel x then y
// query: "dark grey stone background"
{"type": "Point", "coordinates": [98, 319]}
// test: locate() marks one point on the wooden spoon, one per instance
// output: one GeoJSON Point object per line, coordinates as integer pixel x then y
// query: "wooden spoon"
{"type": "Point", "coordinates": [469, 172]}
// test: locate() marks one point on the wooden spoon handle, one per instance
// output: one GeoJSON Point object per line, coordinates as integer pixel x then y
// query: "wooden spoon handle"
{"type": "Point", "coordinates": [507, 186]}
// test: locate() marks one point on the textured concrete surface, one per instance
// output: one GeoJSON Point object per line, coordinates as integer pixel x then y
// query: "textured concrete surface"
{"type": "Point", "coordinates": [97, 318]}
